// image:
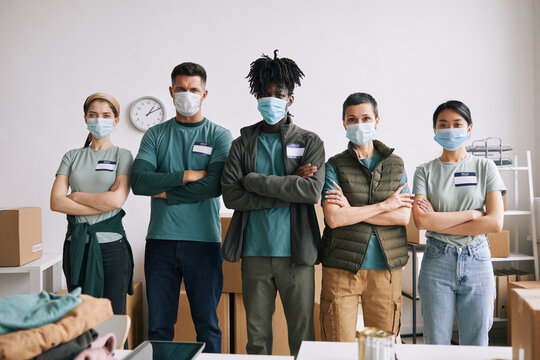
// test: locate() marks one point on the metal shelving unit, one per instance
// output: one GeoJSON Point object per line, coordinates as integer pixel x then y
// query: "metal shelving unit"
{"type": "Point", "coordinates": [516, 255]}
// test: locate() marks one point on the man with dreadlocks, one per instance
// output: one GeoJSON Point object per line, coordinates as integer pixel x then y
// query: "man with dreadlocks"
{"type": "Point", "coordinates": [272, 178]}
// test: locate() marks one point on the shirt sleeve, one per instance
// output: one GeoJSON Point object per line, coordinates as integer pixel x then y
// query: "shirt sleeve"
{"type": "Point", "coordinates": [419, 182]}
{"type": "Point", "coordinates": [330, 175]}
{"type": "Point", "coordinates": [147, 150]}
{"type": "Point", "coordinates": [404, 180]}
{"type": "Point", "coordinates": [65, 164]}
{"type": "Point", "coordinates": [125, 160]}
{"type": "Point", "coordinates": [221, 147]}
{"type": "Point", "coordinates": [494, 180]}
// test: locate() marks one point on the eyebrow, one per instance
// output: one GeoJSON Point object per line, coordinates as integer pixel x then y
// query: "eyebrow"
{"type": "Point", "coordinates": [360, 115]}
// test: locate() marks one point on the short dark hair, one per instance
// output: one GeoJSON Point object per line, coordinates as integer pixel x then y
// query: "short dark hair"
{"type": "Point", "coordinates": [280, 71]}
{"type": "Point", "coordinates": [360, 98]}
{"type": "Point", "coordinates": [189, 69]}
{"type": "Point", "coordinates": [456, 106]}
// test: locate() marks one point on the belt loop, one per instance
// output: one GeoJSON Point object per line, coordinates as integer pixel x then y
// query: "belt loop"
{"type": "Point", "coordinates": [470, 250]}
{"type": "Point", "coordinates": [446, 246]}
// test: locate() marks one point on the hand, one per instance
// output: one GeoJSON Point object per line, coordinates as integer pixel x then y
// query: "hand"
{"type": "Point", "coordinates": [306, 171]}
{"type": "Point", "coordinates": [193, 175]}
{"type": "Point", "coordinates": [337, 197]}
{"type": "Point", "coordinates": [163, 195]}
{"type": "Point", "coordinates": [425, 205]}
{"type": "Point", "coordinates": [115, 186]}
{"type": "Point", "coordinates": [398, 200]}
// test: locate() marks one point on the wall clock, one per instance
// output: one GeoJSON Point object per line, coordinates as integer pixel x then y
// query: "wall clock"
{"type": "Point", "coordinates": [146, 112]}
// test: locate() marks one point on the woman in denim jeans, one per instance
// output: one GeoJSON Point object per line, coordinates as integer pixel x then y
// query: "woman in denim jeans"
{"type": "Point", "coordinates": [458, 201]}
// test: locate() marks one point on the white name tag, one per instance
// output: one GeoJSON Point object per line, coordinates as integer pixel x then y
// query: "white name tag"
{"type": "Point", "coordinates": [295, 151]}
{"type": "Point", "coordinates": [202, 148]}
{"type": "Point", "coordinates": [105, 165]}
{"type": "Point", "coordinates": [465, 179]}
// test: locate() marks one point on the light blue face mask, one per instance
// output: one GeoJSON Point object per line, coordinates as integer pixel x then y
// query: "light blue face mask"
{"type": "Point", "coordinates": [272, 109]}
{"type": "Point", "coordinates": [451, 139]}
{"type": "Point", "coordinates": [361, 133]}
{"type": "Point", "coordinates": [100, 127]}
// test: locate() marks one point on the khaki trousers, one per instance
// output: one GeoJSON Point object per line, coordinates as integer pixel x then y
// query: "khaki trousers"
{"type": "Point", "coordinates": [381, 302]}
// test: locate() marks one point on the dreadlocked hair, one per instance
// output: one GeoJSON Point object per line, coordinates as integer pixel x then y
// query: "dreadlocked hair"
{"type": "Point", "coordinates": [280, 71]}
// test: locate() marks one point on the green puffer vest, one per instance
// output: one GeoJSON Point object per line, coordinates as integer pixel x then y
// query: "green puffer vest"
{"type": "Point", "coordinates": [345, 247]}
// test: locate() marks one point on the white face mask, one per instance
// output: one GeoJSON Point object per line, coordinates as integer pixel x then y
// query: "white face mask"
{"type": "Point", "coordinates": [187, 103]}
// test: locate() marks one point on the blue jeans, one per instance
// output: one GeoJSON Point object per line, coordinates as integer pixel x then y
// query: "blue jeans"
{"type": "Point", "coordinates": [456, 279]}
{"type": "Point", "coordinates": [166, 263]}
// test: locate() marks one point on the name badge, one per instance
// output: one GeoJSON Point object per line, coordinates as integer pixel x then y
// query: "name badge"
{"type": "Point", "coordinates": [295, 151]}
{"type": "Point", "coordinates": [105, 165]}
{"type": "Point", "coordinates": [465, 179]}
{"type": "Point", "coordinates": [202, 148]}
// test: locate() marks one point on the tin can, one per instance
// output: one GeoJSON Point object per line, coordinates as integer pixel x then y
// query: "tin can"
{"type": "Point", "coordinates": [361, 339]}
{"type": "Point", "coordinates": [375, 344]}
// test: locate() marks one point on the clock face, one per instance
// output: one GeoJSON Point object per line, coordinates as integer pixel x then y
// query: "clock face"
{"type": "Point", "coordinates": [146, 112]}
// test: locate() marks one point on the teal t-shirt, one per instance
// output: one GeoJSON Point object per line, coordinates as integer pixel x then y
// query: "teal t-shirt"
{"type": "Point", "coordinates": [457, 187]}
{"type": "Point", "coordinates": [174, 147]}
{"type": "Point", "coordinates": [374, 258]}
{"type": "Point", "coordinates": [268, 231]}
{"type": "Point", "coordinates": [95, 171]}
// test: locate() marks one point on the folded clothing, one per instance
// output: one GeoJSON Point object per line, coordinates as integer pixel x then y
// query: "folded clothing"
{"type": "Point", "coordinates": [70, 349]}
{"type": "Point", "coordinates": [23, 312]}
{"type": "Point", "coordinates": [26, 344]}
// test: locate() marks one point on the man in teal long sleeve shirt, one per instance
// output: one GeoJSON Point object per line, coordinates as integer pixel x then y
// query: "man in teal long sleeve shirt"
{"type": "Point", "coordinates": [179, 164]}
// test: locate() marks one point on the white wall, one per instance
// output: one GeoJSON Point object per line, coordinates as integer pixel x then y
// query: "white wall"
{"type": "Point", "coordinates": [410, 55]}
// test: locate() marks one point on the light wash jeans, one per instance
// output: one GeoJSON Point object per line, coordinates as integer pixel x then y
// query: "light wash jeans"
{"type": "Point", "coordinates": [456, 279]}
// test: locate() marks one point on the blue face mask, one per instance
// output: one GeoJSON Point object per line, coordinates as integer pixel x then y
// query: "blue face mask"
{"type": "Point", "coordinates": [361, 133]}
{"type": "Point", "coordinates": [451, 139]}
{"type": "Point", "coordinates": [272, 109]}
{"type": "Point", "coordinates": [100, 127]}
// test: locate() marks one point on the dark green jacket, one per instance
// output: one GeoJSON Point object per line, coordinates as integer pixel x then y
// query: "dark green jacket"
{"type": "Point", "coordinates": [345, 247]}
{"type": "Point", "coordinates": [267, 192]}
{"type": "Point", "coordinates": [93, 278]}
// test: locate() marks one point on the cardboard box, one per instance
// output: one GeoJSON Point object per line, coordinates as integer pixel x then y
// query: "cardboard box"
{"type": "Point", "coordinates": [134, 309]}
{"type": "Point", "coordinates": [413, 234]}
{"type": "Point", "coordinates": [20, 236]}
{"type": "Point", "coordinates": [517, 285]}
{"type": "Point", "coordinates": [499, 244]}
{"type": "Point", "coordinates": [184, 329]}
{"type": "Point", "coordinates": [501, 280]}
{"type": "Point", "coordinates": [504, 202]}
{"type": "Point", "coordinates": [526, 323]}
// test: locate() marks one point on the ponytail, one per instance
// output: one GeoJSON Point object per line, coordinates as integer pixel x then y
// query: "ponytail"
{"type": "Point", "coordinates": [88, 140]}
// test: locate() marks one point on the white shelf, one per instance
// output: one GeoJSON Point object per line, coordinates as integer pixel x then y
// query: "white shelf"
{"type": "Point", "coordinates": [514, 257]}
{"type": "Point", "coordinates": [516, 212]}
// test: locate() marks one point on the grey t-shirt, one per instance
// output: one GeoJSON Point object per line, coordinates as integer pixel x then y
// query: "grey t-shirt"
{"type": "Point", "coordinates": [457, 187]}
{"type": "Point", "coordinates": [95, 171]}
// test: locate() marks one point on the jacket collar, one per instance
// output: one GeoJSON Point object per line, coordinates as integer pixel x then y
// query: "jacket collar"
{"type": "Point", "coordinates": [255, 129]}
{"type": "Point", "coordinates": [384, 150]}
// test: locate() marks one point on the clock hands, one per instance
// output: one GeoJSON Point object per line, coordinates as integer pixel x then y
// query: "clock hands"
{"type": "Point", "coordinates": [152, 110]}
